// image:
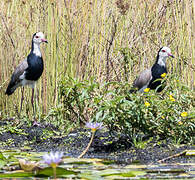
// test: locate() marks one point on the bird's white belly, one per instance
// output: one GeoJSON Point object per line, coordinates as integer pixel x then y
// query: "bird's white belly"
{"type": "Point", "coordinates": [25, 82]}
{"type": "Point", "coordinates": [30, 83]}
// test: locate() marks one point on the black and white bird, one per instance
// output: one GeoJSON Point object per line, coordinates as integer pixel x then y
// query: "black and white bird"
{"type": "Point", "coordinates": [150, 78]}
{"type": "Point", "coordinates": [29, 70]}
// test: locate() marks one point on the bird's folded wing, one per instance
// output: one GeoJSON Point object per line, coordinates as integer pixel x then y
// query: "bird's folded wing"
{"type": "Point", "coordinates": [143, 79]}
{"type": "Point", "coordinates": [19, 71]}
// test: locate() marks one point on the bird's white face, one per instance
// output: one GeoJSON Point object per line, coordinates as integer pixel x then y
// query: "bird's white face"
{"type": "Point", "coordinates": [165, 52]}
{"type": "Point", "coordinates": [39, 38]}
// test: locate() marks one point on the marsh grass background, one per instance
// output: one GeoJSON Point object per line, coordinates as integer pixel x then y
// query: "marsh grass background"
{"type": "Point", "coordinates": [109, 40]}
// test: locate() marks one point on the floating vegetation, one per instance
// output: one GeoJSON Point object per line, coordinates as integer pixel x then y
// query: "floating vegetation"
{"type": "Point", "coordinates": [11, 166]}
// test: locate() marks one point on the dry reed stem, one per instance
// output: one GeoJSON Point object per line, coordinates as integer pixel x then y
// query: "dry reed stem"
{"type": "Point", "coordinates": [78, 33]}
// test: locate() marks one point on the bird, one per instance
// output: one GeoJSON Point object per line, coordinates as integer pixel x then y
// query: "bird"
{"type": "Point", "coordinates": [29, 70]}
{"type": "Point", "coordinates": [151, 77]}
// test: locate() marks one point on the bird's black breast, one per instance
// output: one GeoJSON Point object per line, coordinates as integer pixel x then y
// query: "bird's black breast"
{"type": "Point", "coordinates": [157, 71]}
{"type": "Point", "coordinates": [35, 67]}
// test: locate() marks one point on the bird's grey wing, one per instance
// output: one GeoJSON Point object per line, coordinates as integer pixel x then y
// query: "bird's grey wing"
{"type": "Point", "coordinates": [19, 71]}
{"type": "Point", "coordinates": [143, 79]}
{"type": "Point", "coordinates": [15, 79]}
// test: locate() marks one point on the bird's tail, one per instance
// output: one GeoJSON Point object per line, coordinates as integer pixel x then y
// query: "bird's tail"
{"type": "Point", "coordinates": [10, 89]}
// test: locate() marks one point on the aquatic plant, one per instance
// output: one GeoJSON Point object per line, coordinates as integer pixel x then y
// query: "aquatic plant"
{"type": "Point", "coordinates": [53, 159]}
{"type": "Point", "coordinates": [28, 165]}
{"type": "Point", "coordinates": [94, 127]}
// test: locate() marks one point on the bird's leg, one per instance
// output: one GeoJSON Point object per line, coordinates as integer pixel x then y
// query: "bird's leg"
{"type": "Point", "coordinates": [32, 101]}
{"type": "Point", "coordinates": [22, 99]}
{"type": "Point", "coordinates": [35, 123]}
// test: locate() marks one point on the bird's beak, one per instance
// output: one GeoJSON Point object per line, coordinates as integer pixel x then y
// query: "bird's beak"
{"type": "Point", "coordinates": [44, 40]}
{"type": "Point", "coordinates": [169, 54]}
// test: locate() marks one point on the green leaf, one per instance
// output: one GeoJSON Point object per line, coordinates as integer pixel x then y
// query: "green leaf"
{"type": "Point", "coordinates": [133, 173]}
{"type": "Point", "coordinates": [2, 163]}
{"type": "Point", "coordinates": [90, 176]}
{"type": "Point", "coordinates": [2, 157]}
{"type": "Point", "coordinates": [15, 174]}
{"type": "Point", "coordinates": [109, 172]}
{"type": "Point", "coordinates": [48, 171]}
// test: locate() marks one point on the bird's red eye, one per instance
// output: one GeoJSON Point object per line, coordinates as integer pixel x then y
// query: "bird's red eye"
{"type": "Point", "coordinates": [163, 51]}
{"type": "Point", "coordinates": [37, 36]}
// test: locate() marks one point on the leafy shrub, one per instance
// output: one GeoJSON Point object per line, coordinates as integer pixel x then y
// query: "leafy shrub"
{"type": "Point", "coordinates": [153, 114]}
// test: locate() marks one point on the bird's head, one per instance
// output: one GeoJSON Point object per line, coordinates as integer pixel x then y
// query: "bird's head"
{"type": "Point", "coordinates": [165, 52]}
{"type": "Point", "coordinates": [38, 38]}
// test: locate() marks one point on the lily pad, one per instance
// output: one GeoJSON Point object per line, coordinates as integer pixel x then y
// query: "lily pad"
{"type": "Point", "coordinates": [81, 161]}
{"type": "Point", "coordinates": [48, 171]}
{"type": "Point", "coordinates": [90, 176]}
{"type": "Point", "coordinates": [15, 174]}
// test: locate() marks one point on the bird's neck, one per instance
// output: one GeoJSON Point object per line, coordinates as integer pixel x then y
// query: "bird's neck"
{"type": "Point", "coordinates": [36, 49]}
{"type": "Point", "coordinates": [161, 61]}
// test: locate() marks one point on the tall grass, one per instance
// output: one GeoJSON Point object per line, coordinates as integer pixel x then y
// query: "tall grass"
{"type": "Point", "coordinates": [86, 39]}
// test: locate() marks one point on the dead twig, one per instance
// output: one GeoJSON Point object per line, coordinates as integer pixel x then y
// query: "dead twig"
{"type": "Point", "coordinates": [173, 156]}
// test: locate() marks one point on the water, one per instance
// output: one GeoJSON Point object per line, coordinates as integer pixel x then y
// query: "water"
{"type": "Point", "coordinates": [74, 168]}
